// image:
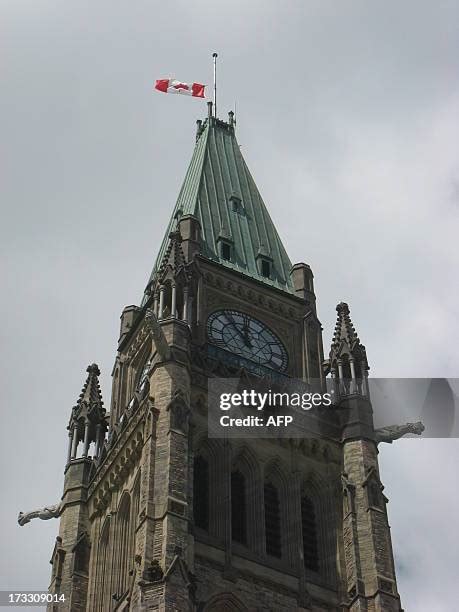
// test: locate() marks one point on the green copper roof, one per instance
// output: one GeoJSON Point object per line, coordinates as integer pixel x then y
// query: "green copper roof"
{"type": "Point", "coordinates": [219, 190]}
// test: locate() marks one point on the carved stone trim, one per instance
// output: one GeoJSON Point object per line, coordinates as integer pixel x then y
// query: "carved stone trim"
{"type": "Point", "coordinates": [120, 461]}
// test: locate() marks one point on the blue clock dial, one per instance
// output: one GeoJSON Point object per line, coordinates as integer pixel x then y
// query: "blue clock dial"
{"type": "Point", "coordinates": [243, 335]}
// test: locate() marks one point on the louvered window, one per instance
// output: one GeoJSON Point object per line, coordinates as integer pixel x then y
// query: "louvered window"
{"type": "Point", "coordinates": [308, 522]}
{"type": "Point", "coordinates": [238, 508]}
{"type": "Point", "coordinates": [272, 521]}
{"type": "Point", "coordinates": [201, 493]}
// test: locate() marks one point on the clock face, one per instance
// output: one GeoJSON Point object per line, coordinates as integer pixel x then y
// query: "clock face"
{"type": "Point", "coordinates": [243, 335]}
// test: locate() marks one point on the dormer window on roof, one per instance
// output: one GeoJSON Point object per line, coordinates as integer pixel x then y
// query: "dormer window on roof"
{"type": "Point", "coordinates": [265, 268]}
{"type": "Point", "coordinates": [225, 244]}
{"type": "Point", "coordinates": [236, 204]}
{"type": "Point", "coordinates": [225, 250]}
{"type": "Point", "coordinates": [264, 262]}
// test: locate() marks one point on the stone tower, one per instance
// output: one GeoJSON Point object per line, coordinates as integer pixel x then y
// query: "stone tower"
{"type": "Point", "coordinates": [157, 515]}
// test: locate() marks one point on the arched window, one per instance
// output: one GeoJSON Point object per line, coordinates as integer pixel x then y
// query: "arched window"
{"type": "Point", "coordinates": [224, 602]}
{"type": "Point", "coordinates": [103, 574]}
{"type": "Point", "coordinates": [142, 377]}
{"type": "Point", "coordinates": [309, 527]}
{"type": "Point", "coordinates": [272, 521]}
{"type": "Point", "coordinates": [135, 507]}
{"type": "Point", "coordinates": [139, 371]}
{"type": "Point", "coordinates": [238, 508]}
{"type": "Point", "coordinates": [201, 493]}
{"type": "Point", "coordinates": [124, 551]}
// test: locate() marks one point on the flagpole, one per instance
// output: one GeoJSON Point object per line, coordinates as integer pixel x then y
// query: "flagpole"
{"type": "Point", "coordinates": [215, 55]}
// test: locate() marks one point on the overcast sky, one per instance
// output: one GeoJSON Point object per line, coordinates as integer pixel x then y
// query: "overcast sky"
{"type": "Point", "coordinates": [347, 115]}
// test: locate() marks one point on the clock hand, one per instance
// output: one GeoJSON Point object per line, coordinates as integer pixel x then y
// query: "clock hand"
{"type": "Point", "coordinates": [232, 322]}
{"type": "Point", "coordinates": [246, 332]}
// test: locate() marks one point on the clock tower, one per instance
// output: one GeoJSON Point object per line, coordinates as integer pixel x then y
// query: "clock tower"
{"type": "Point", "coordinates": [158, 515]}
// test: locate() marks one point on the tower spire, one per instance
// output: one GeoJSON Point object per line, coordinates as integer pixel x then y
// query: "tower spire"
{"type": "Point", "coordinates": [235, 224]}
{"type": "Point", "coordinates": [91, 394]}
{"type": "Point", "coordinates": [87, 421]}
{"type": "Point", "coordinates": [348, 359]}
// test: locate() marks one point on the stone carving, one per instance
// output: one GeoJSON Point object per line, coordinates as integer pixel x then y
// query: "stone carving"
{"type": "Point", "coordinates": [394, 432]}
{"type": "Point", "coordinates": [157, 334]}
{"type": "Point", "coordinates": [347, 484]}
{"type": "Point", "coordinates": [46, 513]}
{"type": "Point", "coordinates": [179, 414]}
{"type": "Point", "coordinates": [154, 572]}
{"type": "Point", "coordinates": [348, 489]}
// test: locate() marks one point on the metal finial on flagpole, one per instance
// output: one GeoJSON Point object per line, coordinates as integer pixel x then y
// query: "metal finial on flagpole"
{"type": "Point", "coordinates": [215, 55]}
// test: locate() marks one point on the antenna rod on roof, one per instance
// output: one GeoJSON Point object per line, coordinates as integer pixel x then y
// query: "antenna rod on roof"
{"type": "Point", "coordinates": [215, 55]}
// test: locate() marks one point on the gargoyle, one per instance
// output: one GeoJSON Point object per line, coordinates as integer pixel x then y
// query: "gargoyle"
{"type": "Point", "coordinates": [394, 432]}
{"type": "Point", "coordinates": [46, 513]}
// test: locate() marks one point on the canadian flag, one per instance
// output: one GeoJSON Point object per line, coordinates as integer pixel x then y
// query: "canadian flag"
{"type": "Point", "coordinates": [178, 87]}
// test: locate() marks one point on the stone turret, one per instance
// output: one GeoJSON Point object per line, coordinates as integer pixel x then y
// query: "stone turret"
{"type": "Point", "coordinates": [87, 421]}
{"type": "Point", "coordinates": [71, 554]}
{"type": "Point", "coordinates": [347, 362]}
{"type": "Point", "coordinates": [370, 582]}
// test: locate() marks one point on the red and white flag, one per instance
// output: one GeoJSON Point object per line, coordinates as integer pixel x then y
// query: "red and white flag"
{"type": "Point", "coordinates": [187, 89]}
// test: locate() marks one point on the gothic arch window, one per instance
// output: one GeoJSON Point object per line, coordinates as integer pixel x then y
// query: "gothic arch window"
{"type": "Point", "coordinates": [103, 573]}
{"type": "Point", "coordinates": [201, 493]}
{"type": "Point", "coordinates": [135, 504]}
{"type": "Point", "coordinates": [246, 485]}
{"type": "Point", "coordinates": [273, 532]}
{"type": "Point", "coordinates": [115, 390]}
{"type": "Point", "coordinates": [139, 367]}
{"type": "Point", "coordinates": [123, 390]}
{"type": "Point", "coordinates": [309, 530]}
{"type": "Point", "coordinates": [134, 378]}
{"type": "Point", "coordinates": [142, 378]}
{"type": "Point", "coordinates": [124, 551]}
{"type": "Point", "coordinates": [224, 602]}
{"type": "Point", "coordinates": [238, 507]}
